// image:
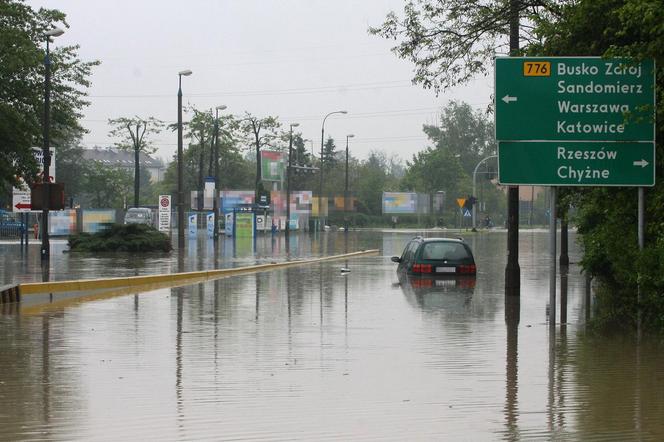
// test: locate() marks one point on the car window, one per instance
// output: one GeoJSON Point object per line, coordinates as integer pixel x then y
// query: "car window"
{"type": "Point", "coordinates": [409, 252]}
{"type": "Point", "coordinates": [444, 250]}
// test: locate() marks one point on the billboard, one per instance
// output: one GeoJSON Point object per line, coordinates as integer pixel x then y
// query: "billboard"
{"type": "Point", "coordinates": [232, 199]}
{"type": "Point", "coordinates": [96, 220]}
{"type": "Point", "coordinates": [245, 224]}
{"type": "Point", "coordinates": [273, 165]}
{"type": "Point", "coordinates": [399, 202]}
{"type": "Point", "coordinates": [62, 222]}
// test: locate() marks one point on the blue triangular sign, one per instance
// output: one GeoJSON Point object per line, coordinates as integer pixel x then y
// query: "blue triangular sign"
{"type": "Point", "coordinates": [466, 213]}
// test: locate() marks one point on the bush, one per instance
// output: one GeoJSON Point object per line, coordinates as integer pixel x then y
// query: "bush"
{"type": "Point", "coordinates": [122, 238]}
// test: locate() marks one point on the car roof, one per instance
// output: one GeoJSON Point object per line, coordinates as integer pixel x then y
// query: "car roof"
{"type": "Point", "coordinates": [439, 239]}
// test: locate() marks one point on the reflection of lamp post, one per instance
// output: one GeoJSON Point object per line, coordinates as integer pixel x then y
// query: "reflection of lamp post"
{"type": "Point", "coordinates": [322, 144]}
{"type": "Point", "coordinates": [46, 152]}
{"type": "Point", "coordinates": [186, 73]}
{"type": "Point", "coordinates": [474, 188]}
{"type": "Point", "coordinates": [215, 203]}
{"type": "Point", "coordinates": [288, 174]}
{"type": "Point", "coordinates": [346, 188]}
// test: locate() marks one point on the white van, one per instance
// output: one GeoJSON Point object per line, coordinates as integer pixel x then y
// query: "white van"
{"type": "Point", "coordinates": [139, 215]}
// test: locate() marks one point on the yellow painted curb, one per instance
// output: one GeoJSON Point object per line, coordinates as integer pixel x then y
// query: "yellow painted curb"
{"type": "Point", "coordinates": [32, 288]}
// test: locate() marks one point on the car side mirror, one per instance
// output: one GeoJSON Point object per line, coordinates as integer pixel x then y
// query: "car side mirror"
{"type": "Point", "coordinates": [396, 259]}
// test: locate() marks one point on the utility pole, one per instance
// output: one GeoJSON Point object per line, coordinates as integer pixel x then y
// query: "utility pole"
{"type": "Point", "coordinates": [512, 270]}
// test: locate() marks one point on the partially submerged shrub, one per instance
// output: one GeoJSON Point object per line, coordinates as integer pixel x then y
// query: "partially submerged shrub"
{"type": "Point", "coordinates": [122, 238]}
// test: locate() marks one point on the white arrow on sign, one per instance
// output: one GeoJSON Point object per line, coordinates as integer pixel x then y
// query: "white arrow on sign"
{"type": "Point", "coordinates": [642, 163]}
{"type": "Point", "coordinates": [507, 99]}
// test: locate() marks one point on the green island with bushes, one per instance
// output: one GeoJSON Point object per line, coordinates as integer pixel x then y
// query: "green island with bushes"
{"type": "Point", "coordinates": [122, 238]}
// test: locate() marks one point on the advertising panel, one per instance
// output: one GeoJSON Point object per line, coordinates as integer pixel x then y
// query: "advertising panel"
{"type": "Point", "coordinates": [273, 165]}
{"type": "Point", "coordinates": [228, 223]}
{"type": "Point", "coordinates": [210, 224]}
{"type": "Point", "coordinates": [244, 225]}
{"type": "Point", "coordinates": [192, 227]}
{"type": "Point", "coordinates": [399, 202]}
{"type": "Point", "coordinates": [96, 220]}
{"type": "Point", "coordinates": [62, 222]}
{"type": "Point", "coordinates": [232, 199]}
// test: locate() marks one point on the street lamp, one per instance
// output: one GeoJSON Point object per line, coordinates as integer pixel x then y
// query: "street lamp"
{"type": "Point", "coordinates": [322, 144]}
{"type": "Point", "coordinates": [185, 73]}
{"type": "Point", "coordinates": [346, 188]}
{"type": "Point", "coordinates": [215, 204]}
{"type": "Point", "coordinates": [46, 152]}
{"type": "Point", "coordinates": [288, 175]}
{"type": "Point", "coordinates": [475, 190]}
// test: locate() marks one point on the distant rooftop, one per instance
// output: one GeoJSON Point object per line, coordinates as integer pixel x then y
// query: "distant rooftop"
{"type": "Point", "coordinates": [120, 158]}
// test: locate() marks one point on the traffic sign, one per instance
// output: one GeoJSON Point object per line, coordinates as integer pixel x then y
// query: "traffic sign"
{"type": "Point", "coordinates": [21, 200]}
{"type": "Point", "coordinates": [164, 223]}
{"type": "Point", "coordinates": [574, 99]}
{"type": "Point", "coordinates": [560, 163]}
{"type": "Point", "coordinates": [461, 202]}
{"type": "Point", "coordinates": [466, 213]}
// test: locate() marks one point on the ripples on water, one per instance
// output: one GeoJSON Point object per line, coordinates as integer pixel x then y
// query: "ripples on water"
{"type": "Point", "coordinates": [308, 353]}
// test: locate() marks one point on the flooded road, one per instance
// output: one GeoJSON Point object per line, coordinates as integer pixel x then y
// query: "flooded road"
{"type": "Point", "coordinates": [311, 353]}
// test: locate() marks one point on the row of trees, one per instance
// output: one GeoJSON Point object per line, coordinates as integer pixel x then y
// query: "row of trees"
{"type": "Point", "coordinates": [461, 139]}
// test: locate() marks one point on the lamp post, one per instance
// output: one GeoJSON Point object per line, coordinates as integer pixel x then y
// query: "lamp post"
{"type": "Point", "coordinates": [46, 152]}
{"type": "Point", "coordinates": [186, 73]}
{"type": "Point", "coordinates": [322, 145]}
{"type": "Point", "coordinates": [475, 185]}
{"type": "Point", "coordinates": [346, 188]}
{"type": "Point", "coordinates": [288, 176]}
{"type": "Point", "coordinates": [215, 203]}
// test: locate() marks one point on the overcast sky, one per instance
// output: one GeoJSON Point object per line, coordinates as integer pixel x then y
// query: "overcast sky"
{"type": "Point", "coordinates": [295, 59]}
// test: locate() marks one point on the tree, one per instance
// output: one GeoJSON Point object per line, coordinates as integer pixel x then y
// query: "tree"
{"type": "Point", "coordinates": [262, 131]}
{"type": "Point", "coordinates": [464, 132]}
{"type": "Point", "coordinates": [107, 186]}
{"type": "Point", "coordinates": [436, 169]}
{"type": "Point", "coordinates": [134, 134]}
{"type": "Point", "coordinates": [22, 77]}
{"type": "Point", "coordinates": [329, 154]}
{"type": "Point", "coordinates": [451, 41]}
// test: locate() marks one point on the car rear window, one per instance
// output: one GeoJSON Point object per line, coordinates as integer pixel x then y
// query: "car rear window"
{"type": "Point", "coordinates": [444, 250]}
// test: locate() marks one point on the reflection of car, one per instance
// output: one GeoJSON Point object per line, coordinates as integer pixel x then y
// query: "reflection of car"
{"type": "Point", "coordinates": [437, 257]}
{"type": "Point", "coordinates": [452, 293]}
{"type": "Point", "coordinates": [138, 215]}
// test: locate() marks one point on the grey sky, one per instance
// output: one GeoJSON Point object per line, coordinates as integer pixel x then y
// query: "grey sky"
{"type": "Point", "coordinates": [295, 59]}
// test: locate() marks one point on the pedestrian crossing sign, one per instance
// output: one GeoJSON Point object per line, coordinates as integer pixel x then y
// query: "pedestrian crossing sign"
{"type": "Point", "coordinates": [466, 213]}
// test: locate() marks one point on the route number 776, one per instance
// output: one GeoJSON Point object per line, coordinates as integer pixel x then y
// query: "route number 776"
{"type": "Point", "coordinates": [537, 68]}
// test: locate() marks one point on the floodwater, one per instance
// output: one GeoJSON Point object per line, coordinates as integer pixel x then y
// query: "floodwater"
{"type": "Point", "coordinates": [310, 353]}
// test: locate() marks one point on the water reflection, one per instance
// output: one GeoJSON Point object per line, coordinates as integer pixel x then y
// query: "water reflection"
{"type": "Point", "coordinates": [314, 353]}
{"type": "Point", "coordinates": [453, 294]}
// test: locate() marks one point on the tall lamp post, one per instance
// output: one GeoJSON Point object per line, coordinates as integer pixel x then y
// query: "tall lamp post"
{"type": "Point", "coordinates": [288, 176]}
{"type": "Point", "coordinates": [346, 188]}
{"type": "Point", "coordinates": [322, 145]}
{"type": "Point", "coordinates": [46, 152]}
{"type": "Point", "coordinates": [475, 187]}
{"type": "Point", "coordinates": [186, 73]}
{"type": "Point", "coordinates": [215, 203]}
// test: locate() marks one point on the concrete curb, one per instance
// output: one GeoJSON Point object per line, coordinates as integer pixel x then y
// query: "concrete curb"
{"type": "Point", "coordinates": [34, 288]}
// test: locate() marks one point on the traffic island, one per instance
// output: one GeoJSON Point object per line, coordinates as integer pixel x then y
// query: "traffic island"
{"type": "Point", "coordinates": [122, 238]}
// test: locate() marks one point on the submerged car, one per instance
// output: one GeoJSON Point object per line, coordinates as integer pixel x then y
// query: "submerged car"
{"type": "Point", "coordinates": [139, 215]}
{"type": "Point", "coordinates": [436, 257]}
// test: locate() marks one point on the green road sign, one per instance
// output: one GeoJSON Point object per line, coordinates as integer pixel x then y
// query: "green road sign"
{"type": "Point", "coordinates": [562, 163]}
{"type": "Point", "coordinates": [574, 99]}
